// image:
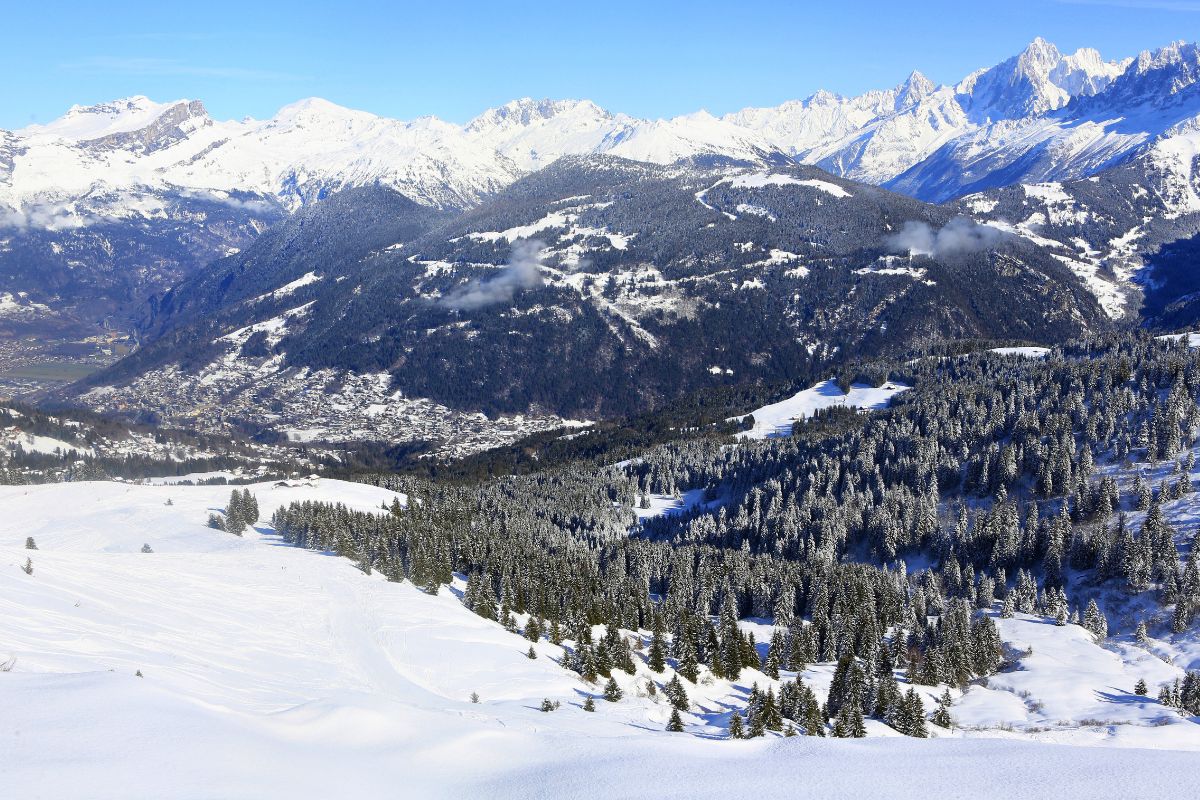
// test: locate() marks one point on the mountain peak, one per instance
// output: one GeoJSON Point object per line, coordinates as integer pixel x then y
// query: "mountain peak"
{"type": "Point", "coordinates": [1037, 80]}
{"type": "Point", "coordinates": [318, 108]}
{"type": "Point", "coordinates": [823, 97]}
{"type": "Point", "coordinates": [527, 111]}
{"type": "Point", "coordinates": [915, 86]}
{"type": "Point", "coordinates": [1039, 52]}
{"type": "Point", "coordinates": [1155, 77]}
{"type": "Point", "coordinates": [83, 123]}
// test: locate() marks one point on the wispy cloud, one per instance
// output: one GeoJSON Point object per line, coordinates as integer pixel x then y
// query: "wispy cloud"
{"type": "Point", "coordinates": [523, 271]}
{"type": "Point", "coordinates": [168, 66]}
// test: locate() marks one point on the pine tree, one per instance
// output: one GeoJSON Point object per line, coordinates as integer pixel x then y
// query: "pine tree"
{"type": "Point", "coordinates": [1140, 688]}
{"type": "Point", "coordinates": [656, 659]}
{"type": "Point", "coordinates": [849, 723]}
{"type": "Point", "coordinates": [28, 567]}
{"type": "Point", "coordinates": [758, 725]}
{"type": "Point", "coordinates": [677, 694]}
{"type": "Point", "coordinates": [771, 664]}
{"type": "Point", "coordinates": [1182, 616]}
{"type": "Point", "coordinates": [589, 704]}
{"type": "Point", "coordinates": [913, 713]}
{"type": "Point", "coordinates": [675, 725]}
{"type": "Point", "coordinates": [234, 521]}
{"type": "Point", "coordinates": [941, 716]}
{"type": "Point", "coordinates": [769, 710]}
{"type": "Point", "coordinates": [612, 692]}
{"type": "Point", "coordinates": [1094, 621]}
{"type": "Point", "coordinates": [30, 544]}
{"type": "Point", "coordinates": [147, 549]}
{"type": "Point", "coordinates": [736, 731]}
{"type": "Point", "coordinates": [531, 654]}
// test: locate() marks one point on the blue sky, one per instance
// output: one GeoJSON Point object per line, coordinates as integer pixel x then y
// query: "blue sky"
{"type": "Point", "coordinates": [454, 59]}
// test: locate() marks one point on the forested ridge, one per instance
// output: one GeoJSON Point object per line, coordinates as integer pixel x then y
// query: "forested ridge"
{"type": "Point", "coordinates": [998, 483]}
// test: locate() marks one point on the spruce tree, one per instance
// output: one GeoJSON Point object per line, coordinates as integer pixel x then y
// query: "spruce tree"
{"type": "Point", "coordinates": [657, 657]}
{"type": "Point", "coordinates": [612, 692]}
{"type": "Point", "coordinates": [675, 725]}
{"type": "Point", "coordinates": [677, 694]}
{"type": "Point", "coordinates": [736, 731]}
{"type": "Point", "coordinates": [941, 716]}
{"type": "Point", "coordinates": [914, 715]}
{"type": "Point", "coordinates": [1094, 621]}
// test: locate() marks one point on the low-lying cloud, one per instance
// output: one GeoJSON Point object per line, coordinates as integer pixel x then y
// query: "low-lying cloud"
{"type": "Point", "coordinates": [523, 271]}
{"type": "Point", "coordinates": [51, 217]}
{"type": "Point", "coordinates": [959, 236]}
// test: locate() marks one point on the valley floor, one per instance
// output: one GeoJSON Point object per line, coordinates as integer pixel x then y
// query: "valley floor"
{"type": "Point", "coordinates": [269, 671]}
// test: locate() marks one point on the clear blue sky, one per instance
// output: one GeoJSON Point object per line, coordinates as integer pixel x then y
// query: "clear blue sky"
{"type": "Point", "coordinates": [454, 59]}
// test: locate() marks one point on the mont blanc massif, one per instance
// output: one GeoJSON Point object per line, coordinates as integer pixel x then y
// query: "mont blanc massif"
{"type": "Point", "coordinates": [564, 453]}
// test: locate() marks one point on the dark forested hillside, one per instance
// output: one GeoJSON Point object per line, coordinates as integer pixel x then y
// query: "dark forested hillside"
{"type": "Point", "coordinates": [599, 286]}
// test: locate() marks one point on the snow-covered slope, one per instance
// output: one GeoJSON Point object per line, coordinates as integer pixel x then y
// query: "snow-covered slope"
{"type": "Point", "coordinates": [777, 419]}
{"type": "Point", "coordinates": [268, 671]}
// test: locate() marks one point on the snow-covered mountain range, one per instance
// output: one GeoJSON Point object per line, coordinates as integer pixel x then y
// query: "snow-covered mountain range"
{"type": "Point", "coordinates": [114, 204]}
{"type": "Point", "coordinates": [1040, 114]}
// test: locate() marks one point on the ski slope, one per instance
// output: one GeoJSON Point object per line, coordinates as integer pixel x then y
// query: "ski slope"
{"type": "Point", "coordinates": [274, 672]}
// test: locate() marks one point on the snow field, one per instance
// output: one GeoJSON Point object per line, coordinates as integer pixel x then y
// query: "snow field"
{"type": "Point", "coordinates": [776, 419]}
{"type": "Point", "coordinates": [271, 671]}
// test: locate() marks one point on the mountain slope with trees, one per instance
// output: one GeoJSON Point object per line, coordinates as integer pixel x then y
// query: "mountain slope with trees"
{"type": "Point", "coordinates": [599, 287]}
